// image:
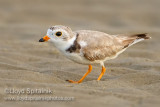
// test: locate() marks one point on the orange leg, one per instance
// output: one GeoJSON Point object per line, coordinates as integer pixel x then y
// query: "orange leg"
{"type": "Point", "coordinates": [102, 73]}
{"type": "Point", "coordinates": [89, 70]}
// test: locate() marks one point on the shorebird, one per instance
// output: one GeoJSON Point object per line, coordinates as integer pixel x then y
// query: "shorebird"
{"type": "Point", "coordinates": [89, 47]}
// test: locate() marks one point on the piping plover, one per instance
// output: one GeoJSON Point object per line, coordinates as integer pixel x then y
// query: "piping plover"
{"type": "Point", "coordinates": [88, 47]}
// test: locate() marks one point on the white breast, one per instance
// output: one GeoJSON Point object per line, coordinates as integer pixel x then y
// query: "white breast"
{"type": "Point", "coordinates": [77, 57]}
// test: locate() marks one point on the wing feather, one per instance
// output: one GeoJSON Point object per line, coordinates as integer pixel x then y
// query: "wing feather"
{"type": "Point", "coordinates": [99, 45]}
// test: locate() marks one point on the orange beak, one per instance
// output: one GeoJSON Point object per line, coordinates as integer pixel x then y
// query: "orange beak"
{"type": "Point", "coordinates": [46, 38]}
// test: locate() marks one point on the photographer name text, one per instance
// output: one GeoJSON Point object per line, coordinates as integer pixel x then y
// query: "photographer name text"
{"type": "Point", "coordinates": [28, 91]}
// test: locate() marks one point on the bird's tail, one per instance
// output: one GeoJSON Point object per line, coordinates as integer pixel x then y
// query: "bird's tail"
{"type": "Point", "coordinates": [133, 39]}
{"type": "Point", "coordinates": [141, 36]}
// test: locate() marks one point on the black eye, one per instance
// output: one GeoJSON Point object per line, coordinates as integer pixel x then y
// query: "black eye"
{"type": "Point", "coordinates": [58, 33]}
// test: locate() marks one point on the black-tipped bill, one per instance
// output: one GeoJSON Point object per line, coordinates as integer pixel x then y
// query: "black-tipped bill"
{"type": "Point", "coordinates": [41, 40]}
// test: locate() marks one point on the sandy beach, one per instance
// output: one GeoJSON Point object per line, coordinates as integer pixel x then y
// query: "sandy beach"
{"type": "Point", "coordinates": [131, 80]}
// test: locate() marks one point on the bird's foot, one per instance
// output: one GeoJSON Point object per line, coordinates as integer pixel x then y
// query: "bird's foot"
{"type": "Point", "coordinates": [71, 81]}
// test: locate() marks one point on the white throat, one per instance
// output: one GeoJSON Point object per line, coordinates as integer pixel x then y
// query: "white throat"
{"type": "Point", "coordinates": [62, 46]}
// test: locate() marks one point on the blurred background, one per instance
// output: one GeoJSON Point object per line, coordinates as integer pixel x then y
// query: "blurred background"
{"type": "Point", "coordinates": [104, 15]}
{"type": "Point", "coordinates": [20, 19]}
{"type": "Point", "coordinates": [24, 62]}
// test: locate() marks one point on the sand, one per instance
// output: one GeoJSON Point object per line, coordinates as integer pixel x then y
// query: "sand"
{"type": "Point", "coordinates": [131, 80]}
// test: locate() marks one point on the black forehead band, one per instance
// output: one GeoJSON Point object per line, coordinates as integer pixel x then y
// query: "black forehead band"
{"type": "Point", "coordinates": [51, 28]}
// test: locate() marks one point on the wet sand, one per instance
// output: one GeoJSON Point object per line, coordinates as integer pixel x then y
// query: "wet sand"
{"type": "Point", "coordinates": [131, 80]}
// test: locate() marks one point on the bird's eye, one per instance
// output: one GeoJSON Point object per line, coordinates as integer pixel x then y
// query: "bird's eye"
{"type": "Point", "coordinates": [58, 33]}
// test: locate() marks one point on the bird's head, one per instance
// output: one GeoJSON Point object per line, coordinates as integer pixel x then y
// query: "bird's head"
{"type": "Point", "coordinates": [58, 34]}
